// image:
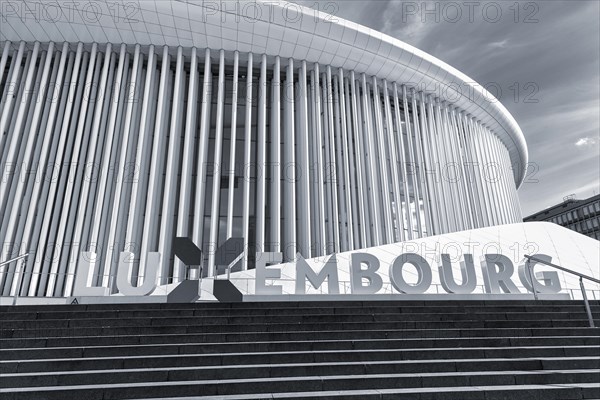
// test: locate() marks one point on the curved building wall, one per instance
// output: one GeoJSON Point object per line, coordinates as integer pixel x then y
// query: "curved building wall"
{"type": "Point", "coordinates": [112, 147]}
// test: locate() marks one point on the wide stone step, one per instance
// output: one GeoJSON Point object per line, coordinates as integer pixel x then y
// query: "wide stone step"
{"type": "Point", "coordinates": [67, 378]}
{"type": "Point", "coordinates": [153, 320]}
{"type": "Point", "coordinates": [305, 383]}
{"type": "Point", "coordinates": [95, 350]}
{"type": "Point", "coordinates": [183, 360]}
{"type": "Point", "coordinates": [130, 310]}
{"type": "Point", "coordinates": [123, 327]}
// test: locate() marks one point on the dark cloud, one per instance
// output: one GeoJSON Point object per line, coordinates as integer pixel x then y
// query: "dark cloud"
{"type": "Point", "coordinates": [545, 58]}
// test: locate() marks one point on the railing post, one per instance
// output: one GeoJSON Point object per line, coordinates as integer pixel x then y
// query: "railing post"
{"type": "Point", "coordinates": [587, 304]}
{"type": "Point", "coordinates": [530, 269]}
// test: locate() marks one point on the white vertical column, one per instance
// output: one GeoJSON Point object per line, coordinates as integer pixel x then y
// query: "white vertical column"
{"type": "Point", "coordinates": [467, 184]}
{"type": "Point", "coordinates": [428, 167]}
{"type": "Point", "coordinates": [289, 168]}
{"type": "Point", "coordinates": [165, 238]}
{"type": "Point", "coordinates": [412, 157]}
{"type": "Point", "coordinates": [360, 166]}
{"type": "Point", "coordinates": [385, 188]}
{"type": "Point", "coordinates": [154, 183]}
{"type": "Point", "coordinates": [216, 189]}
{"type": "Point", "coordinates": [275, 207]}
{"type": "Point", "coordinates": [303, 196]}
{"type": "Point", "coordinates": [331, 167]}
{"type": "Point", "coordinates": [185, 191]}
{"type": "Point", "coordinates": [352, 171]}
{"type": "Point", "coordinates": [261, 158]}
{"type": "Point", "coordinates": [232, 145]}
{"type": "Point", "coordinates": [402, 163]}
{"type": "Point", "coordinates": [502, 187]}
{"type": "Point", "coordinates": [396, 188]}
{"type": "Point", "coordinates": [348, 161]}
{"type": "Point", "coordinates": [436, 180]}
{"type": "Point", "coordinates": [373, 168]}
{"type": "Point", "coordinates": [419, 170]}
{"type": "Point", "coordinates": [320, 229]}
{"type": "Point", "coordinates": [247, 161]}
{"type": "Point", "coordinates": [432, 172]}
{"type": "Point", "coordinates": [198, 229]}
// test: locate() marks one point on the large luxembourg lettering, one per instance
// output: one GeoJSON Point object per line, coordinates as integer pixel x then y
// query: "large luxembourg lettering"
{"type": "Point", "coordinates": [497, 272]}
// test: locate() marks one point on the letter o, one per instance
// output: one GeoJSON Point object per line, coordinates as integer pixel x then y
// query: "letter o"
{"type": "Point", "coordinates": [423, 270]}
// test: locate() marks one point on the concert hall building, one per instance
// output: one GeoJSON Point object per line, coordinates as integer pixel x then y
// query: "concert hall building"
{"type": "Point", "coordinates": [126, 126]}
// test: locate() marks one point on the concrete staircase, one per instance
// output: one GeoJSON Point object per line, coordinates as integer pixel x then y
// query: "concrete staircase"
{"type": "Point", "coordinates": [360, 350]}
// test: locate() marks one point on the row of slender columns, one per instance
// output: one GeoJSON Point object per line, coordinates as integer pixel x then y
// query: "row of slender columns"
{"type": "Point", "coordinates": [331, 160]}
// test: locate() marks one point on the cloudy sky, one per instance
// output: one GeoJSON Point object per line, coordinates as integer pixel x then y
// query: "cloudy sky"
{"type": "Point", "coordinates": [543, 55]}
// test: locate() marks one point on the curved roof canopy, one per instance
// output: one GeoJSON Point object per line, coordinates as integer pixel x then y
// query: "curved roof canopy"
{"type": "Point", "coordinates": [262, 27]}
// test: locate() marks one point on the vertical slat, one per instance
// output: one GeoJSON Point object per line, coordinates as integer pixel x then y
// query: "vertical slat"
{"type": "Point", "coordinates": [385, 191]}
{"type": "Point", "coordinates": [319, 226]}
{"type": "Point", "coordinates": [303, 189]}
{"type": "Point", "coordinates": [423, 214]}
{"type": "Point", "coordinates": [428, 168]}
{"type": "Point", "coordinates": [183, 215]}
{"type": "Point", "coordinates": [157, 158]}
{"type": "Point", "coordinates": [373, 167]}
{"type": "Point", "coordinates": [402, 165]}
{"type": "Point", "coordinates": [247, 165]}
{"type": "Point", "coordinates": [331, 168]}
{"type": "Point", "coordinates": [354, 163]}
{"type": "Point", "coordinates": [342, 243]}
{"type": "Point", "coordinates": [344, 164]}
{"type": "Point", "coordinates": [232, 145]}
{"type": "Point", "coordinates": [477, 170]}
{"type": "Point", "coordinates": [198, 229]}
{"type": "Point", "coordinates": [289, 170]}
{"type": "Point", "coordinates": [345, 119]}
{"type": "Point", "coordinates": [261, 157]}
{"type": "Point", "coordinates": [275, 206]}
{"type": "Point", "coordinates": [395, 164]}
{"type": "Point", "coordinates": [167, 223]}
{"type": "Point", "coordinates": [361, 165]}
{"type": "Point", "coordinates": [216, 189]}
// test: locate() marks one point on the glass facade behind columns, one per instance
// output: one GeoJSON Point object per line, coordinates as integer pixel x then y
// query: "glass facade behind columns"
{"type": "Point", "coordinates": [582, 216]}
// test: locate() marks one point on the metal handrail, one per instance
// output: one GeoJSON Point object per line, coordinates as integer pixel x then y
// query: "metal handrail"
{"type": "Point", "coordinates": [3, 263]}
{"type": "Point", "coordinates": [570, 271]}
